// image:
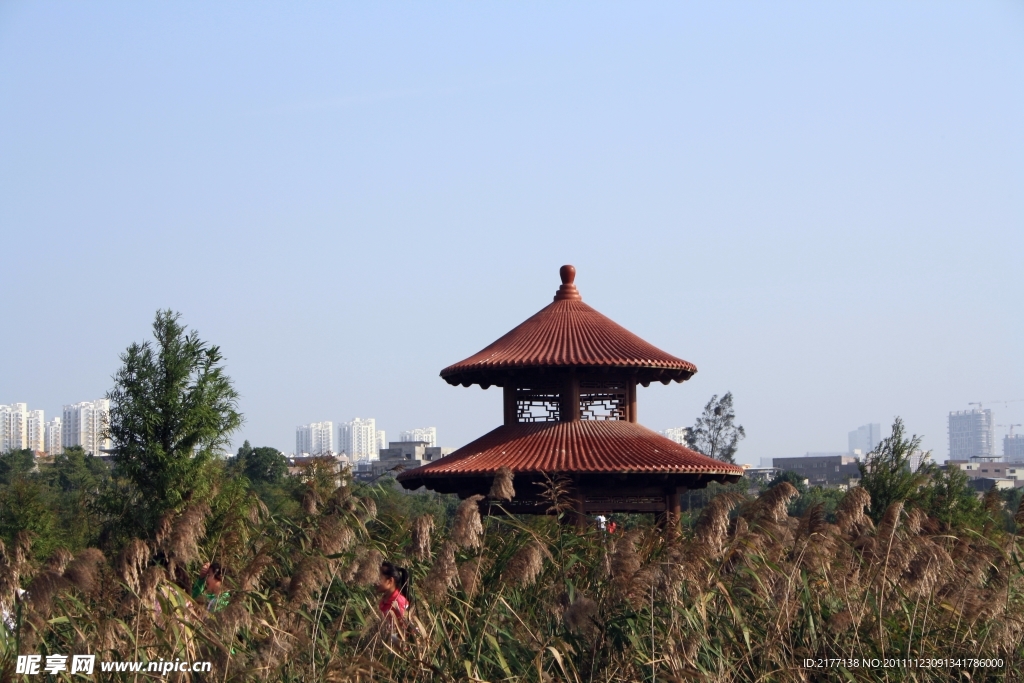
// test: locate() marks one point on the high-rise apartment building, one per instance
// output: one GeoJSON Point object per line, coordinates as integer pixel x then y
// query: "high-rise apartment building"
{"type": "Point", "coordinates": [360, 439]}
{"type": "Point", "coordinates": [22, 428]}
{"type": "Point", "coordinates": [53, 443]}
{"type": "Point", "coordinates": [677, 434]}
{"type": "Point", "coordinates": [865, 438]}
{"type": "Point", "coordinates": [316, 438]}
{"type": "Point", "coordinates": [35, 431]}
{"type": "Point", "coordinates": [84, 424]}
{"type": "Point", "coordinates": [972, 434]}
{"type": "Point", "coordinates": [13, 427]}
{"type": "Point", "coordinates": [427, 435]}
{"type": "Point", "coordinates": [1013, 448]}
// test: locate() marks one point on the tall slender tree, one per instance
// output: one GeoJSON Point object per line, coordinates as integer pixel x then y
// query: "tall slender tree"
{"type": "Point", "coordinates": [172, 410]}
{"type": "Point", "coordinates": [886, 474]}
{"type": "Point", "coordinates": [715, 433]}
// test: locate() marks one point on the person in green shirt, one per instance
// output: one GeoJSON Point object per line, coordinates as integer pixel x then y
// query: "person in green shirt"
{"type": "Point", "coordinates": [209, 586]}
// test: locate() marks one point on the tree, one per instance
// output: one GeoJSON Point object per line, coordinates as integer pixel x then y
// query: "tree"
{"type": "Point", "coordinates": [950, 499]}
{"type": "Point", "coordinates": [16, 463]}
{"type": "Point", "coordinates": [74, 470]}
{"type": "Point", "coordinates": [262, 464]}
{"type": "Point", "coordinates": [790, 477]}
{"type": "Point", "coordinates": [886, 474]}
{"type": "Point", "coordinates": [172, 410]}
{"type": "Point", "coordinates": [26, 504]}
{"type": "Point", "coordinates": [714, 433]}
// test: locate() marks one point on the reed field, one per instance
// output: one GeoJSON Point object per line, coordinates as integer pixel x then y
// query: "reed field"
{"type": "Point", "coordinates": [739, 591]}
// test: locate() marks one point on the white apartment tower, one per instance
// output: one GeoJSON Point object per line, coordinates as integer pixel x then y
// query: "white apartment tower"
{"type": "Point", "coordinates": [83, 424]}
{"type": "Point", "coordinates": [360, 440]}
{"type": "Point", "coordinates": [866, 438]}
{"type": "Point", "coordinates": [52, 439]}
{"type": "Point", "coordinates": [22, 428]}
{"type": "Point", "coordinates": [13, 427]}
{"type": "Point", "coordinates": [972, 434]}
{"type": "Point", "coordinates": [426, 434]}
{"type": "Point", "coordinates": [316, 438]}
{"type": "Point", "coordinates": [35, 431]}
{"type": "Point", "coordinates": [677, 434]}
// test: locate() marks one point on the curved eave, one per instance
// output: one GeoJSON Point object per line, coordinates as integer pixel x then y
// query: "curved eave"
{"type": "Point", "coordinates": [580, 447]}
{"type": "Point", "coordinates": [501, 374]}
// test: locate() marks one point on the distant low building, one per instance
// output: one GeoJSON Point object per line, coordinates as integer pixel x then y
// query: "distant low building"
{"type": "Point", "coordinates": [985, 469]}
{"type": "Point", "coordinates": [404, 455]}
{"type": "Point", "coordinates": [299, 465]}
{"type": "Point", "coordinates": [761, 475]}
{"type": "Point", "coordinates": [986, 484]}
{"type": "Point", "coordinates": [821, 469]}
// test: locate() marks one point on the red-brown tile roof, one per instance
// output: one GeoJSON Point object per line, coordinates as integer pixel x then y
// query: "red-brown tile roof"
{"type": "Point", "coordinates": [569, 333]}
{"type": "Point", "coordinates": [586, 446]}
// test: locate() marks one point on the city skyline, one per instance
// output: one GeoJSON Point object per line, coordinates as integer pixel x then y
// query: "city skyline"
{"type": "Point", "coordinates": [322, 437]}
{"type": "Point", "coordinates": [80, 424]}
{"type": "Point", "coordinates": [817, 205]}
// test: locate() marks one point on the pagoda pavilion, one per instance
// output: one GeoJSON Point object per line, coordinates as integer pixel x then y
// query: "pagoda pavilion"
{"type": "Point", "coordinates": [569, 377]}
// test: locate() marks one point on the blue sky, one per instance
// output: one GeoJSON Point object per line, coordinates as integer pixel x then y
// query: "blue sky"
{"type": "Point", "coordinates": [821, 205]}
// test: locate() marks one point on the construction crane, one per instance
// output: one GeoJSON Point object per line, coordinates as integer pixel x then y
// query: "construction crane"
{"type": "Point", "coordinates": [1012, 400]}
{"type": "Point", "coordinates": [1010, 427]}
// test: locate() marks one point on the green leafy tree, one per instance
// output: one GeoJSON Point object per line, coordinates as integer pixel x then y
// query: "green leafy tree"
{"type": "Point", "coordinates": [829, 497]}
{"type": "Point", "coordinates": [790, 477]}
{"type": "Point", "coordinates": [74, 470]}
{"type": "Point", "coordinates": [172, 410]}
{"type": "Point", "coordinates": [16, 463]}
{"type": "Point", "coordinates": [262, 464]}
{"type": "Point", "coordinates": [950, 499]}
{"type": "Point", "coordinates": [886, 473]}
{"type": "Point", "coordinates": [26, 504]}
{"type": "Point", "coordinates": [715, 433]}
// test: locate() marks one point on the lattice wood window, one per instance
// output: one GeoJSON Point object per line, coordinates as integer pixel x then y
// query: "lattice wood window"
{"type": "Point", "coordinates": [602, 400]}
{"type": "Point", "coordinates": [538, 404]}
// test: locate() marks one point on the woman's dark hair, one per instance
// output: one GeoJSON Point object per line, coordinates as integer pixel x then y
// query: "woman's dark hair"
{"type": "Point", "coordinates": [217, 571]}
{"type": "Point", "coordinates": [401, 576]}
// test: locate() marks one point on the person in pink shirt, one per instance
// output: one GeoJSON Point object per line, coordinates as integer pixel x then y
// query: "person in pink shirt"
{"type": "Point", "coordinates": [394, 586]}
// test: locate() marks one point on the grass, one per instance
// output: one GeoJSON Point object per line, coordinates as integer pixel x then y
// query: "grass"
{"type": "Point", "coordinates": [745, 593]}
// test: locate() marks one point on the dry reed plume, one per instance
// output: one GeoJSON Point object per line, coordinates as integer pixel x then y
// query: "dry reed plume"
{"type": "Point", "coordinates": [422, 528]}
{"type": "Point", "coordinates": [467, 527]}
{"type": "Point", "coordinates": [747, 593]}
{"type": "Point", "coordinates": [501, 487]}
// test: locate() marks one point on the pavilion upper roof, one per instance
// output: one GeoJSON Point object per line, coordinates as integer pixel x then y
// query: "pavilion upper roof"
{"type": "Point", "coordinates": [568, 334]}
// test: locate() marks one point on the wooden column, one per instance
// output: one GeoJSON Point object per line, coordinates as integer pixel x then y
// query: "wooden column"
{"type": "Point", "coordinates": [569, 407]}
{"type": "Point", "coordinates": [581, 509]}
{"type": "Point", "coordinates": [672, 511]}
{"type": "Point", "coordinates": [669, 519]}
{"type": "Point", "coordinates": [631, 399]}
{"type": "Point", "coordinates": [510, 405]}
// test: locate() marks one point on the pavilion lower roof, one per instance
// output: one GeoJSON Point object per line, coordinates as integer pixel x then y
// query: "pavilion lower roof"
{"type": "Point", "coordinates": [582, 446]}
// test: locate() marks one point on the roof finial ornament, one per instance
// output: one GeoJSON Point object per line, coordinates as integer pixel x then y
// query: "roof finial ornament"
{"type": "Point", "coordinates": [568, 289]}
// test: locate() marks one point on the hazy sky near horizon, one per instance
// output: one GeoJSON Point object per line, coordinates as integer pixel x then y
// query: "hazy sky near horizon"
{"type": "Point", "coordinates": [821, 205]}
